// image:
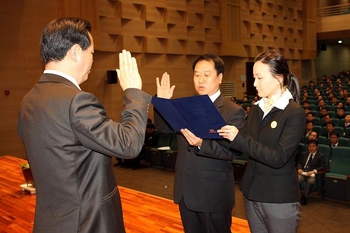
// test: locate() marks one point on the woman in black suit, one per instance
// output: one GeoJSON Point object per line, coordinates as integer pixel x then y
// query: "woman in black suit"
{"type": "Point", "coordinates": [270, 136]}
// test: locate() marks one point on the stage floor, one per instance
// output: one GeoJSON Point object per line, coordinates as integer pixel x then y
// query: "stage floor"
{"type": "Point", "coordinates": [142, 212]}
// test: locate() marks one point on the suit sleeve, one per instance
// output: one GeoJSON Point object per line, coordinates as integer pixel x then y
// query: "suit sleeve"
{"type": "Point", "coordinates": [220, 148]}
{"type": "Point", "coordinates": [282, 151]}
{"type": "Point", "coordinates": [95, 130]}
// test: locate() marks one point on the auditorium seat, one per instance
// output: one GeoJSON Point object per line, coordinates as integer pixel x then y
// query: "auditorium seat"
{"type": "Point", "coordinates": [156, 154]}
{"type": "Point", "coordinates": [337, 180]}
{"type": "Point", "coordinates": [171, 155]}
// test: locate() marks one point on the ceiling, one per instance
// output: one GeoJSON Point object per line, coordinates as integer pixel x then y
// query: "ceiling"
{"type": "Point", "coordinates": [332, 38]}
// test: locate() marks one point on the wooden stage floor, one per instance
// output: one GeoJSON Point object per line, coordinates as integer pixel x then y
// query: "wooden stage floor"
{"type": "Point", "coordinates": [142, 212]}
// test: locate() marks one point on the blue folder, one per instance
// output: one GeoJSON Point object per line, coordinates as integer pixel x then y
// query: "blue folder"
{"type": "Point", "coordinates": [196, 113]}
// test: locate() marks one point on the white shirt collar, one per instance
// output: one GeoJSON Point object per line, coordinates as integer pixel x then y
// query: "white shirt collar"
{"type": "Point", "coordinates": [215, 96]}
{"type": "Point", "coordinates": [66, 76]}
{"type": "Point", "coordinates": [279, 102]}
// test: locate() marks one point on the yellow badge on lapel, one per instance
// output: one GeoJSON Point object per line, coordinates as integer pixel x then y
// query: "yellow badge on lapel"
{"type": "Point", "coordinates": [273, 124]}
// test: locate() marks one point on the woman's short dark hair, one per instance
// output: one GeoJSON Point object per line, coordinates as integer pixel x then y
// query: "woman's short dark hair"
{"type": "Point", "coordinates": [278, 66]}
{"type": "Point", "coordinates": [61, 34]}
{"type": "Point", "coordinates": [218, 62]}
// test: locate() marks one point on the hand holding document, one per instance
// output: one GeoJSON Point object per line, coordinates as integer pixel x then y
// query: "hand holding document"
{"type": "Point", "coordinates": [196, 113]}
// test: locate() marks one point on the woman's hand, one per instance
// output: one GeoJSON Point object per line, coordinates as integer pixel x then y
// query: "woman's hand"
{"type": "Point", "coordinates": [163, 87]}
{"type": "Point", "coordinates": [192, 139]}
{"type": "Point", "coordinates": [229, 132]}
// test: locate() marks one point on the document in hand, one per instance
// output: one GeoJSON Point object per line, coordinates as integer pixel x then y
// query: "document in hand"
{"type": "Point", "coordinates": [196, 113]}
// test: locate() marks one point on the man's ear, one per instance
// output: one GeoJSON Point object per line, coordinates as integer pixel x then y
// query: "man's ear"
{"type": "Point", "coordinates": [220, 77]}
{"type": "Point", "coordinates": [74, 52]}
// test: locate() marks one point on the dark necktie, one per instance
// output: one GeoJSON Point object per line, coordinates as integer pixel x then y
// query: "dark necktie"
{"type": "Point", "coordinates": [309, 158]}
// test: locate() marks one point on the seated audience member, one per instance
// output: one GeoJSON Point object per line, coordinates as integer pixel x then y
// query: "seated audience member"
{"type": "Point", "coordinates": [334, 101]}
{"type": "Point", "coordinates": [233, 99]}
{"type": "Point", "coordinates": [311, 162]}
{"type": "Point", "coordinates": [321, 104]}
{"type": "Point", "coordinates": [245, 99]}
{"type": "Point", "coordinates": [309, 128]}
{"type": "Point", "coordinates": [323, 112]}
{"type": "Point", "coordinates": [340, 113]}
{"type": "Point", "coordinates": [151, 140]}
{"type": "Point", "coordinates": [347, 103]}
{"type": "Point", "coordinates": [330, 128]}
{"type": "Point", "coordinates": [313, 136]}
{"type": "Point", "coordinates": [151, 137]}
{"type": "Point", "coordinates": [340, 105]}
{"type": "Point", "coordinates": [326, 119]}
{"type": "Point", "coordinates": [306, 105]}
{"type": "Point", "coordinates": [310, 117]}
{"type": "Point", "coordinates": [346, 126]}
{"type": "Point", "coordinates": [334, 139]}
{"type": "Point", "coordinates": [246, 111]}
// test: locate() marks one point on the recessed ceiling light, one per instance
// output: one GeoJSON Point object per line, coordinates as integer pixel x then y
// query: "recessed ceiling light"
{"type": "Point", "coordinates": [340, 41]}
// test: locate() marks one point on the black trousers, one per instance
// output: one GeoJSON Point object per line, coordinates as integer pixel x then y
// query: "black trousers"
{"type": "Point", "coordinates": [205, 222]}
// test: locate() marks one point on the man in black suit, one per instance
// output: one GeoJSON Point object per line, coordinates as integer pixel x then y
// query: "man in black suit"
{"type": "Point", "coordinates": [329, 129]}
{"type": "Point", "coordinates": [310, 163]}
{"type": "Point", "coordinates": [204, 182]}
{"type": "Point", "coordinates": [334, 139]}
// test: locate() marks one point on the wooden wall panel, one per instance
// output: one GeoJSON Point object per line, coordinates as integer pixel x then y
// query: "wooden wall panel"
{"type": "Point", "coordinates": [108, 42]}
{"type": "Point", "coordinates": [175, 46]}
{"type": "Point", "coordinates": [213, 35]}
{"type": "Point", "coordinates": [110, 25]}
{"type": "Point", "coordinates": [154, 45]}
{"type": "Point", "coordinates": [133, 27]}
{"type": "Point", "coordinates": [154, 13]}
{"type": "Point", "coordinates": [130, 10]}
{"type": "Point", "coordinates": [132, 43]}
{"type": "Point", "coordinates": [178, 31]}
{"type": "Point", "coordinates": [195, 47]}
{"type": "Point", "coordinates": [195, 6]}
{"type": "Point", "coordinates": [211, 21]}
{"type": "Point", "coordinates": [194, 19]}
{"type": "Point", "coordinates": [163, 35]}
{"type": "Point", "coordinates": [156, 29]}
{"type": "Point", "coordinates": [212, 8]}
{"type": "Point", "coordinates": [212, 47]}
{"type": "Point", "coordinates": [196, 33]}
{"type": "Point", "coordinates": [108, 8]}
{"type": "Point", "coordinates": [176, 5]}
{"type": "Point", "coordinates": [174, 16]}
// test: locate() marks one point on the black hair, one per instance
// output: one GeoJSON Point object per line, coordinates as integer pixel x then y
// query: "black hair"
{"type": "Point", "coordinates": [150, 126]}
{"type": "Point", "coordinates": [334, 133]}
{"type": "Point", "coordinates": [61, 34]}
{"type": "Point", "coordinates": [218, 62]}
{"type": "Point", "coordinates": [278, 66]}
{"type": "Point", "coordinates": [312, 141]}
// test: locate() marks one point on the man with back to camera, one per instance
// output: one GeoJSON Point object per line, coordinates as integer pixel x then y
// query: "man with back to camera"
{"type": "Point", "coordinates": [70, 140]}
{"type": "Point", "coordinates": [204, 182]}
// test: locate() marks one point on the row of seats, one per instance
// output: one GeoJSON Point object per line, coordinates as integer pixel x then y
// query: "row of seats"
{"type": "Point", "coordinates": [343, 141]}
{"type": "Point", "coordinates": [336, 121]}
{"type": "Point", "coordinates": [164, 154]}
{"type": "Point", "coordinates": [333, 183]}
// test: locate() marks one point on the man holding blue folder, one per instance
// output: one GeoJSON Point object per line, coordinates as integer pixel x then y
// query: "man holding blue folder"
{"type": "Point", "coordinates": [204, 182]}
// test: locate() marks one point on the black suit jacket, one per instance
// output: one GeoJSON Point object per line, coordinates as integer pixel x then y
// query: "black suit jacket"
{"type": "Point", "coordinates": [272, 145]}
{"type": "Point", "coordinates": [69, 141]}
{"type": "Point", "coordinates": [204, 178]}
